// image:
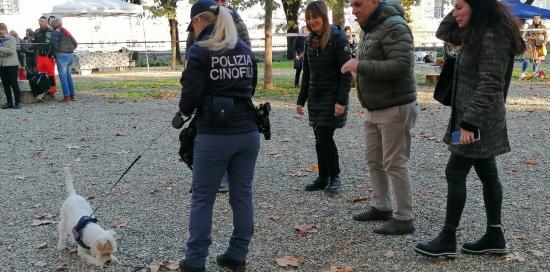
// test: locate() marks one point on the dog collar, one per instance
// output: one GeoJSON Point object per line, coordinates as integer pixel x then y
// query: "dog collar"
{"type": "Point", "coordinates": [77, 230]}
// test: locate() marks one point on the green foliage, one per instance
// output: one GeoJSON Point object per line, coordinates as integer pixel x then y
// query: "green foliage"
{"type": "Point", "coordinates": [163, 8]}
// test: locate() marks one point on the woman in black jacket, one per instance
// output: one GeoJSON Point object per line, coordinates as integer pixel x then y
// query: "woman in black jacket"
{"type": "Point", "coordinates": [326, 91]}
{"type": "Point", "coordinates": [298, 50]}
{"type": "Point", "coordinates": [477, 131]}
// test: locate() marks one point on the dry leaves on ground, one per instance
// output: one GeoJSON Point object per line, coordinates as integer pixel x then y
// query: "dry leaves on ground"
{"type": "Point", "coordinates": [531, 162]}
{"type": "Point", "coordinates": [305, 229]}
{"type": "Point", "coordinates": [44, 216]}
{"type": "Point", "coordinates": [537, 253]}
{"type": "Point", "coordinates": [170, 265]}
{"type": "Point", "coordinates": [121, 133]}
{"type": "Point", "coordinates": [42, 245]}
{"type": "Point", "coordinates": [300, 174]}
{"type": "Point", "coordinates": [341, 269]}
{"type": "Point", "coordinates": [62, 267]}
{"type": "Point", "coordinates": [287, 261]}
{"type": "Point", "coordinates": [355, 199]}
{"type": "Point", "coordinates": [514, 257]}
{"type": "Point", "coordinates": [36, 223]}
{"type": "Point", "coordinates": [117, 226]}
{"type": "Point", "coordinates": [39, 153]}
{"type": "Point", "coordinates": [85, 139]}
{"type": "Point", "coordinates": [390, 254]}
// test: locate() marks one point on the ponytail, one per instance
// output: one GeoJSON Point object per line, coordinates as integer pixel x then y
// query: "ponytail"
{"type": "Point", "coordinates": [224, 34]}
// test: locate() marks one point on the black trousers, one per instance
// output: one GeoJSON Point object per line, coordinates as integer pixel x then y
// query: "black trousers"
{"type": "Point", "coordinates": [327, 153]}
{"type": "Point", "coordinates": [30, 62]}
{"type": "Point", "coordinates": [456, 172]}
{"type": "Point", "coordinates": [297, 77]}
{"type": "Point", "coordinates": [8, 75]}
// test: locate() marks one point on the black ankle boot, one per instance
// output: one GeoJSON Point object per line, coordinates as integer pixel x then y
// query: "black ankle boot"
{"type": "Point", "coordinates": [7, 106]}
{"type": "Point", "coordinates": [492, 242]}
{"type": "Point", "coordinates": [184, 267]}
{"type": "Point", "coordinates": [334, 184]}
{"type": "Point", "coordinates": [444, 245]}
{"type": "Point", "coordinates": [225, 261]}
{"type": "Point", "coordinates": [318, 184]}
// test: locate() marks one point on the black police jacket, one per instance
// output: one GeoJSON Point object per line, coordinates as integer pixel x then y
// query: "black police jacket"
{"type": "Point", "coordinates": [42, 39]}
{"type": "Point", "coordinates": [226, 73]}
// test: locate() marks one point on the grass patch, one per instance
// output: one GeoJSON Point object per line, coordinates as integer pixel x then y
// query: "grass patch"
{"type": "Point", "coordinates": [283, 64]}
{"type": "Point", "coordinates": [283, 89]}
{"type": "Point", "coordinates": [127, 84]}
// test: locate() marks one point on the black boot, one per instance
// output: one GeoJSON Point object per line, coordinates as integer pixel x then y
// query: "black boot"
{"type": "Point", "coordinates": [184, 267]}
{"type": "Point", "coordinates": [7, 106]}
{"type": "Point", "coordinates": [374, 214]}
{"type": "Point", "coordinates": [334, 184]}
{"type": "Point", "coordinates": [17, 106]}
{"type": "Point", "coordinates": [225, 261]}
{"type": "Point", "coordinates": [492, 242]}
{"type": "Point", "coordinates": [318, 184]}
{"type": "Point", "coordinates": [444, 245]}
{"type": "Point", "coordinates": [395, 227]}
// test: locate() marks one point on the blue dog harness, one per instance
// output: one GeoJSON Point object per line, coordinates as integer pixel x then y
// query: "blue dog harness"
{"type": "Point", "coordinates": [77, 230]}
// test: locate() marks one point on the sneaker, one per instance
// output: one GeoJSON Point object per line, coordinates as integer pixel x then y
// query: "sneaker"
{"type": "Point", "coordinates": [65, 99]}
{"type": "Point", "coordinates": [7, 106]}
{"type": "Point", "coordinates": [334, 184]}
{"type": "Point", "coordinates": [184, 267]}
{"type": "Point", "coordinates": [374, 214]}
{"type": "Point", "coordinates": [492, 242]}
{"type": "Point", "coordinates": [444, 245]}
{"type": "Point", "coordinates": [318, 184]}
{"type": "Point", "coordinates": [521, 76]}
{"type": "Point", "coordinates": [225, 261]}
{"type": "Point", "coordinates": [395, 227]}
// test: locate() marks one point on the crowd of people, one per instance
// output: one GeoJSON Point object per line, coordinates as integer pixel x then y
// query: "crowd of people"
{"type": "Point", "coordinates": [381, 65]}
{"type": "Point", "coordinates": [40, 51]}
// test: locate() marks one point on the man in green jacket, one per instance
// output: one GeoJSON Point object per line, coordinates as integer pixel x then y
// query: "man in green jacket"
{"type": "Point", "coordinates": [386, 88]}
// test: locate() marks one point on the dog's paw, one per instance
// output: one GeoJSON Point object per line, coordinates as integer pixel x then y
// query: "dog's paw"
{"type": "Point", "coordinates": [113, 259]}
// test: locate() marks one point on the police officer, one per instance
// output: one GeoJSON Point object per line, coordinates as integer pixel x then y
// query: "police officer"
{"type": "Point", "coordinates": [218, 83]}
{"type": "Point", "coordinates": [45, 62]}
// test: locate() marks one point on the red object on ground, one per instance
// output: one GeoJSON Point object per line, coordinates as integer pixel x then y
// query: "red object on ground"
{"type": "Point", "coordinates": [47, 65]}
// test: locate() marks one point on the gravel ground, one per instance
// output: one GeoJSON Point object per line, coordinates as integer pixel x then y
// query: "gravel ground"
{"type": "Point", "coordinates": [150, 206]}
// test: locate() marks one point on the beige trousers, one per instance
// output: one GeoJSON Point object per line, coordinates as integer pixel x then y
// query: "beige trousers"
{"type": "Point", "coordinates": [388, 145]}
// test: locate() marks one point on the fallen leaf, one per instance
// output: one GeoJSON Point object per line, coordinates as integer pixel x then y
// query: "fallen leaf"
{"type": "Point", "coordinates": [273, 152]}
{"type": "Point", "coordinates": [537, 253]}
{"type": "Point", "coordinates": [117, 226]}
{"type": "Point", "coordinates": [531, 162]}
{"type": "Point", "coordinates": [42, 246]}
{"type": "Point", "coordinates": [314, 168]}
{"type": "Point", "coordinates": [519, 236]}
{"type": "Point", "coordinates": [155, 266]}
{"type": "Point", "coordinates": [305, 229]}
{"type": "Point", "coordinates": [36, 223]}
{"type": "Point", "coordinates": [172, 265]}
{"type": "Point", "coordinates": [44, 216]}
{"type": "Point", "coordinates": [355, 199]}
{"type": "Point", "coordinates": [91, 198]}
{"type": "Point", "coordinates": [389, 254]}
{"type": "Point", "coordinates": [274, 217]}
{"type": "Point", "coordinates": [341, 269]}
{"type": "Point", "coordinates": [40, 154]}
{"type": "Point", "coordinates": [362, 186]}
{"type": "Point", "coordinates": [514, 257]}
{"type": "Point", "coordinates": [121, 133]}
{"type": "Point", "coordinates": [62, 267]}
{"type": "Point", "coordinates": [73, 249]}
{"type": "Point", "coordinates": [300, 174]}
{"type": "Point", "coordinates": [85, 139]}
{"type": "Point", "coordinates": [287, 261]}
{"type": "Point", "coordinates": [72, 146]}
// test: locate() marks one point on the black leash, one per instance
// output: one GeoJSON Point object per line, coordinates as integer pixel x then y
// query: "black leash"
{"type": "Point", "coordinates": [127, 169]}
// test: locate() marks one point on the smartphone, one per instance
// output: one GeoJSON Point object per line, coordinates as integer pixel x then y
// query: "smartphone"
{"type": "Point", "coordinates": [455, 137]}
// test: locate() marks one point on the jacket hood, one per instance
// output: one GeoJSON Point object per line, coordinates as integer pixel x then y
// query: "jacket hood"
{"type": "Point", "coordinates": [384, 10]}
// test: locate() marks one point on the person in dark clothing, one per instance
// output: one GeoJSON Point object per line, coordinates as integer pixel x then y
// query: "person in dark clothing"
{"type": "Point", "coordinates": [242, 32]}
{"type": "Point", "coordinates": [326, 91]}
{"type": "Point", "coordinates": [45, 61]}
{"type": "Point", "coordinates": [30, 56]}
{"type": "Point", "coordinates": [477, 131]}
{"type": "Point", "coordinates": [218, 82]}
{"type": "Point", "coordinates": [8, 68]}
{"type": "Point", "coordinates": [298, 49]}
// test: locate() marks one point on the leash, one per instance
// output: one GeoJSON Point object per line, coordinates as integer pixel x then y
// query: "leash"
{"type": "Point", "coordinates": [127, 169]}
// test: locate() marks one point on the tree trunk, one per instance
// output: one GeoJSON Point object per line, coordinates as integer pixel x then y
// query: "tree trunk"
{"type": "Point", "coordinates": [173, 42]}
{"type": "Point", "coordinates": [291, 8]}
{"type": "Point", "coordinates": [268, 68]}
{"type": "Point", "coordinates": [338, 14]}
{"type": "Point", "coordinates": [178, 52]}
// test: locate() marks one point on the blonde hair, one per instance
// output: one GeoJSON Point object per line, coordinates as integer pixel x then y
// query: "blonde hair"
{"type": "Point", "coordinates": [56, 22]}
{"type": "Point", "coordinates": [3, 26]}
{"type": "Point", "coordinates": [224, 34]}
{"type": "Point", "coordinates": [319, 9]}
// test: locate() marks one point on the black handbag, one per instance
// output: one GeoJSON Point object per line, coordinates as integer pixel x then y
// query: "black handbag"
{"type": "Point", "coordinates": [443, 91]}
{"type": "Point", "coordinates": [297, 64]}
{"type": "Point", "coordinates": [187, 142]}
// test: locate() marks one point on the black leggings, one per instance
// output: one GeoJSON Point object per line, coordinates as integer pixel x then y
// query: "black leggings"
{"type": "Point", "coordinates": [456, 172]}
{"type": "Point", "coordinates": [8, 75]}
{"type": "Point", "coordinates": [327, 153]}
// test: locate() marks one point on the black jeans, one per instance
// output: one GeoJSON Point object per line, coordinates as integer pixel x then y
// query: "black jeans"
{"type": "Point", "coordinates": [456, 172]}
{"type": "Point", "coordinates": [8, 75]}
{"type": "Point", "coordinates": [297, 77]}
{"type": "Point", "coordinates": [327, 153]}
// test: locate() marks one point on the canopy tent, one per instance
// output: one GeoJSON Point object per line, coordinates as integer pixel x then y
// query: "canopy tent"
{"type": "Point", "coordinates": [524, 11]}
{"type": "Point", "coordinates": [90, 8]}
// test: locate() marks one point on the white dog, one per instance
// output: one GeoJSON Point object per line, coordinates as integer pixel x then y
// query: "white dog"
{"type": "Point", "coordinates": [95, 244]}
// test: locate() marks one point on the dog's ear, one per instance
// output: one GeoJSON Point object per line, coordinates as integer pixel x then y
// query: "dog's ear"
{"type": "Point", "coordinates": [112, 232]}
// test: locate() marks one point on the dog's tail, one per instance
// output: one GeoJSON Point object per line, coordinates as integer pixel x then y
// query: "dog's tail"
{"type": "Point", "coordinates": [68, 181]}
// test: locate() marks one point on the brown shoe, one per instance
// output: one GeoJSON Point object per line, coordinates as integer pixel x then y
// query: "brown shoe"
{"type": "Point", "coordinates": [73, 98]}
{"type": "Point", "coordinates": [65, 99]}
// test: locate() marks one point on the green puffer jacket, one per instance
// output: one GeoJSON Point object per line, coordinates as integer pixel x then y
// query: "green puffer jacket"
{"type": "Point", "coordinates": [386, 60]}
